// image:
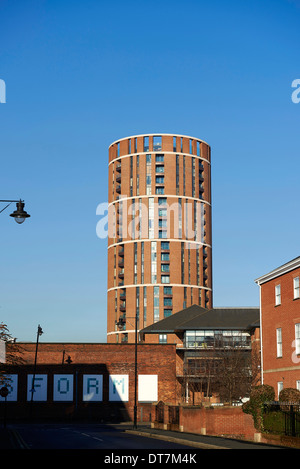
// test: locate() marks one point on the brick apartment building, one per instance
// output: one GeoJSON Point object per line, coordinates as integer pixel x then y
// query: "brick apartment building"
{"type": "Point", "coordinates": [280, 326]}
{"type": "Point", "coordinates": [159, 230]}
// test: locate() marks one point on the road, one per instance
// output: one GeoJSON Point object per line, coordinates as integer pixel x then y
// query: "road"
{"type": "Point", "coordinates": [120, 438]}
{"type": "Point", "coordinates": [86, 436]}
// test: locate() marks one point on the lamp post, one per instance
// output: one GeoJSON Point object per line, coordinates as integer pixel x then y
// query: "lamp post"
{"type": "Point", "coordinates": [19, 215]}
{"type": "Point", "coordinates": [121, 323]}
{"type": "Point", "coordinates": [39, 333]}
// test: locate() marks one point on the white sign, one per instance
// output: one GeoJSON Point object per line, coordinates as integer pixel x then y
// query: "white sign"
{"type": "Point", "coordinates": [38, 388]}
{"type": "Point", "coordinates": [11, 383]}
{"type": "Point", "coordinates": [63, 388]}
{"type": "Point", "coordinates": [92, 388]}
{"type": "Point", "coordinates": [148, 388]}
{"type": "Point", "coordinates": [118, 388]}
{"type": "Point", "coordinates": [2, 351]}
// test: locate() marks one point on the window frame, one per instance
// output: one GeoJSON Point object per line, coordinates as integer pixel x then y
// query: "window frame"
{"type": "Point", "coordinates": [296, 288]}
{"type": "Point", "coordinates": [277, 295]}
{"type": "Point", "coordinates": [279, 342]}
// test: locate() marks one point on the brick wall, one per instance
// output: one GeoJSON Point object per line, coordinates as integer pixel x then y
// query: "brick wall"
{"type": "Point", "coordinates": [226, 421]}
{"type": "Point", "coordinates": [103, 359]}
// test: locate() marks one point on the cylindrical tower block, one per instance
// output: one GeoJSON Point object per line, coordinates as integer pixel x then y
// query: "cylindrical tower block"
{"type": "Point", "coordinates": [159, 230]}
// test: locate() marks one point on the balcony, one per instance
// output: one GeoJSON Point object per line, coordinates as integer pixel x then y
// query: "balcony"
{"type": "Point", "coordinates": [123, 295]}
{"type": "Point", "coordinates": [118, 189]}
{"type": "Point", "coordinates": [118, 167]}
{"type": "Point", "coordinates": [118, 177]}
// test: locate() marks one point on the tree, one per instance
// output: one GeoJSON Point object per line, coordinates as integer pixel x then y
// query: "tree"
{"type": "Point", "coordinates": [13, 354]}
{"type": "Point", "coordinates": [224, 369]}
{"type": "Point", "coordinates": [233, 375]}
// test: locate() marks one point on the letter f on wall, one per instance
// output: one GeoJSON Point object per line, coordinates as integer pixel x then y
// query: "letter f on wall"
{"type": "Point", "coordinates": [2, 91]}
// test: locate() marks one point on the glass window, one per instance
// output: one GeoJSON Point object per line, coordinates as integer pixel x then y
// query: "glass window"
{"type": "Point", "coordinates": [165, 279]}
{"type": "Point", "coordinates": [145, 306]}
{"type": "Point", "coordinates": [277, 295]}
{"type": "Point", "coordinates": [296, 287]}
{"type": "Point", "coordinates": [167, 301]}
{"type": "Point", "coordinates": [160, 179]}
{"type": "Point", "coordinates": [297, 337]}
{"type": "Point", "coordinates": [162, 234]}
{"type": "Point", "coordinates": [160, 190]}
{"type": "Point", "coordinates": [160, 169]}
{"type": "Point", "coordinates": [162, 201]}
{"type": "Point", "coordinates": [165, 245]}
{"type": "Point", "coordinates": [159, 158]}
{"type": "Point", "coordinates": [177, 174]}
{"type": "Point", "coordinates": [156, 303]}
{"type": "Point", "coordinates": [146, 143]}
{"type": "Point", "coordinates": [157, 142]}
{"type": "Point", "coordinates": [162, 338]}
{"type": "Point", "coordinates": [153, 262]}
{"type": "Point", "coordinates": [162, 223]}
{"type": "Point", "coordinates": [162, 212]}
{"type": "Point", "coordinates": [167, 312]}
{"type": "Point", "coordinates": [167, 290]}
{"type": "Point", "coordinates": [279, 342]}
{"type": "Point", "coordinates": [165, 267]}
{"type": "Point", "coordinates": [165, 256]}
{"type": "Point", "coordinates": [279, 387]}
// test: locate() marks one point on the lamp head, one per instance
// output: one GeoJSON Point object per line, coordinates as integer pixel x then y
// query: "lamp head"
{"type": "Point", "coordinates": [20, 215]}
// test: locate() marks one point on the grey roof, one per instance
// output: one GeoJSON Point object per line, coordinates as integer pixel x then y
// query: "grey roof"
{"type": "Point", "coordinates": [196, 317]}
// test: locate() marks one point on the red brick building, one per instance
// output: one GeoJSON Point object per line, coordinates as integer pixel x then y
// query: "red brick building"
{"type": "Point", "coordinates": [280, 326]}
{"type": "Point", "coordinates": [94, 381]}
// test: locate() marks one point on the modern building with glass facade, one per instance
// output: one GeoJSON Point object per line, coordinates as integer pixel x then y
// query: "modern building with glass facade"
{"type": "Point", "coordinates": [159, 230]}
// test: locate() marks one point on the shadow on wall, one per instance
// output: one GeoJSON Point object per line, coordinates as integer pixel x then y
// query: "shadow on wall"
{"type": "Point", "coordinates": [66, 392]}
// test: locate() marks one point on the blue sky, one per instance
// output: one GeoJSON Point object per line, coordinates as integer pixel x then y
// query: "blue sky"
{"type": "Point", "coordinates": [82, 74]}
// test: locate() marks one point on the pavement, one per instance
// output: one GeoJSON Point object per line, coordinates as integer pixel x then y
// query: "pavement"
{"type": "Point", "coordinates": [198, 441]}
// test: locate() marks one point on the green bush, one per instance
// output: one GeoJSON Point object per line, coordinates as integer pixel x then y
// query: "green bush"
{"type": "Point", "coordinates": [258, 397]}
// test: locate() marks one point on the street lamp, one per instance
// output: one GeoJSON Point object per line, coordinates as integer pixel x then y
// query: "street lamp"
{"type": "Point", "coordinates": [19, 215]}
{"type": "Point", "coordinates": [120, 323]}
{"type": "Point", "coordinates": [39, 332]}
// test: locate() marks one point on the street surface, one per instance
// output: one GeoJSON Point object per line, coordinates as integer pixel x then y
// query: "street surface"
{"type": "Point", "coordinates": [120, 438]}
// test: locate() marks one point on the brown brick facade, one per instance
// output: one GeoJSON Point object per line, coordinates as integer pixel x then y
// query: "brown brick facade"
{"type": "Point", "coordinates": [176, 169]}
{"type": "Point", "coordinates": [280, 360]}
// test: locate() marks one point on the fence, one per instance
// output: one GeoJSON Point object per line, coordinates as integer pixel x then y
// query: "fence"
{"type": "Point", "coordinates": [282, 419]}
